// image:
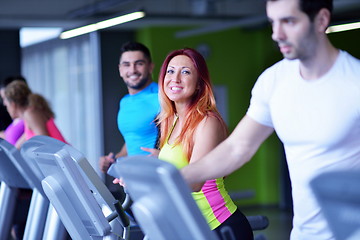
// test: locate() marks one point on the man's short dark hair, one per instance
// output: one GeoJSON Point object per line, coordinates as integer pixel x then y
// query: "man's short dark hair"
{"type": "Point", "coordinates": [135, 46]}
{"type": "Point", "coordinates": [312, 7]}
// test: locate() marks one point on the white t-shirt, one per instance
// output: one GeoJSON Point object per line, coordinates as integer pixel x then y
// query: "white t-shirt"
{"type": "Point", "coordinates": [319, 125]}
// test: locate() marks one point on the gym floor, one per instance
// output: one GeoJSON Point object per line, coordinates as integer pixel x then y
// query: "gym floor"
{"type": "Point", "coordinates": [280, 222]}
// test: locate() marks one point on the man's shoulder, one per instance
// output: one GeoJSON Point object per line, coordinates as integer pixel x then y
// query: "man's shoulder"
{"type": "Point", "coordinates": [151, 93]}
{"type": "Point", "coordinates": [349, 57]}
{"type": "Point", "coordinates": [150, 89]}
{"type": "Point", "coordinates": [284, 63]}
{"type": "Point", "coordinates": [148, 94]}
{"type": "Point", "coordinates": [281, 68]}
{"type": "Point", "coordinates": [124, 98]}
{"type": "Point", "coordinates": [153, 87]}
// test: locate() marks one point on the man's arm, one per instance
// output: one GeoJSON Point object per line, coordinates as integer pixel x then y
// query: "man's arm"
{"type": "Point", "coordinates": [122, 153]}
{"type": "Point", "coordinates": [231, 154]}
{"type": "Point", "coordinates": [106, 161]}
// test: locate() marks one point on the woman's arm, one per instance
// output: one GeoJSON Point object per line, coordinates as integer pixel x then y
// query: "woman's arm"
{"type": "Point", "coordinates": [208, 134]}
{"type": "Point", "coordinates": [20, 141]}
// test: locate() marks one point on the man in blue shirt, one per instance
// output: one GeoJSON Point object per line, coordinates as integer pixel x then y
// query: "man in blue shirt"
{"type": "Point", "coordinates": [139, 108]}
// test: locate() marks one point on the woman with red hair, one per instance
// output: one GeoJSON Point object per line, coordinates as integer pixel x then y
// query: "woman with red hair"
{"type": "Point", "coordinates": [190, 127]}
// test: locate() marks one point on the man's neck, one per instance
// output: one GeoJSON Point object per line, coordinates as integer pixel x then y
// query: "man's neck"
{"type": "Point", "coordinates": [320, 63]}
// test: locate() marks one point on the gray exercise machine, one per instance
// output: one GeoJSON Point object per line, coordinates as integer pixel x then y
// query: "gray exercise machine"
{"type": "Point", "coordinates": [338, 194]}
{"type": "Point", "coordinates": [11, 181]}
{"type": "Point", "coordinates": [42, 222]}
{"type": "Point", "coordinates": [69, 178]}
{"type": "Point", "coordinates": [162, 202]}
{"type": "Point", "coordinates": [82, 201]}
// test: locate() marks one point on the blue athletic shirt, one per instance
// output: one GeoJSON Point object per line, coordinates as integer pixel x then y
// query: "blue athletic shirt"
{"type": "Point", "coordinates": [136, 119]}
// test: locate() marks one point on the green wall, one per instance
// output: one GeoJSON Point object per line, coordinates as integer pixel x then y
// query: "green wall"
{"type": "Point", "coordinates": [237, 57]}
{"type": "Point", "coordinates": [348, 41]}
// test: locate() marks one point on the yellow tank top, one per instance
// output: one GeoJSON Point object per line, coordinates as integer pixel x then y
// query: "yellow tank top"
{"type": "Point", "coordinates": [213, 199]}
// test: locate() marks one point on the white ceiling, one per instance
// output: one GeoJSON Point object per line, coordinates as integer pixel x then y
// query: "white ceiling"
{"type": "Point", "coordinates": [207, 13]}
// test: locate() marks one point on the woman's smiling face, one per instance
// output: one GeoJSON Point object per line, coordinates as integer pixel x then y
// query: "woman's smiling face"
{"type": "Point", "coordinates": [181, 79]}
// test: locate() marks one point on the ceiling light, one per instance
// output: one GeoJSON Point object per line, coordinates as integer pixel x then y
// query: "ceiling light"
{"type": "Point", "coordinates": [33, 35]}
{"type": "Point", "coordinates": [101, 25]}
{"type": "Point", "coordinates": [343, 27]}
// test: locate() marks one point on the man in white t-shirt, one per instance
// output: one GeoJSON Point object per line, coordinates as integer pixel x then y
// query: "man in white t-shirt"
{"type": "Point", "coordinates": [311, 99]}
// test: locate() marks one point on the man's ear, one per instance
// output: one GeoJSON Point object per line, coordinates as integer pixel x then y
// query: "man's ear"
{"type": "Point", "coordinates": [322, 20]}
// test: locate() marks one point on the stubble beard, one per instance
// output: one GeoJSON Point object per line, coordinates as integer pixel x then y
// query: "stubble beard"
{"type": "Point", "coordinates": [306, 47]}
{"type": "Point", "coordinates": [139, 85]}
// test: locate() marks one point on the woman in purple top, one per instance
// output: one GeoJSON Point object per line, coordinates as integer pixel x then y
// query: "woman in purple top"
{"type": "Point", "coordinates": [33, 109]}
{"type": "Point", "coordinates": [15, 130]}
{"type": "Point", "coordinates": [12, 134]}
{"type": "Point", "coordinates": [37, 117]}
